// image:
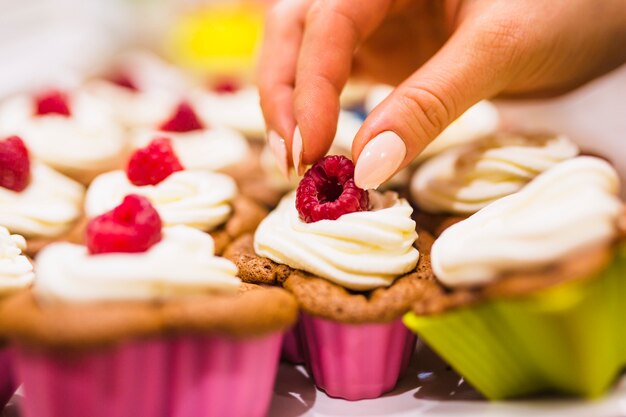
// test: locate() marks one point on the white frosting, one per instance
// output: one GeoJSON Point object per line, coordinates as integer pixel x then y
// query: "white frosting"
{"type": "Point", "coordinates": [183, 263]}
{"type": "Point", "coordinates": [48, 207]}
{"type": "Point", "coordinates": [567, 208]}
{"type": "Point", "coordinates": [479, 120]}
{"type": "Point", "coordinates": [199, 199]}
{"type": "Point", "coordinates": [359, 251]}
{"type": "Point", "coordinates": [239, 110]}
{"type": "Point", "coordinates": [465, 179]}
{"type": "Point", "coordinates": [16, 271]}
{"type": "Point", "coordinates": [88, 140]}
{"type": "Point", "coordinates": [213, 149]}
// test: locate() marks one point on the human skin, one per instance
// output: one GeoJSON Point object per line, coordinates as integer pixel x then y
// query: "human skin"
{"type": "Point", "coordinates": [443, 56]}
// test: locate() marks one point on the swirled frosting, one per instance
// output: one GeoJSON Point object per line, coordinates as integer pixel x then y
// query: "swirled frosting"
{"type": "Point", "coordinates": [359, 251]}
{"type": "Point", "coordinates": [90, 139]}
{"type": "Point", "coordinates": [199, 199]}
{"type": "Point", "coordinates": [567, 208]}
{"type": "Point", "coordinates": [16, 271]}
{"type": "Point", "coordinates": [213, 149]}
{"type": "Point", "coordinates": [465, 179]}
{"type": "Point", "coordinates": [48, 207]}
{"type": "Point", "coordinates": [181, 264]}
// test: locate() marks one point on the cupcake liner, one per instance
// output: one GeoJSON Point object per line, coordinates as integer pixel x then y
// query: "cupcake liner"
{"type": "Point", "coordinates": [178, 377]}
{"type": "Point", "coordinates": [568, 339]}
{"type": "Point", "coordinates": [355, 361]}
{"type": "Point", "coordinates": [7, 379]}
{"type": "Point", "coordinates": [292, 346]}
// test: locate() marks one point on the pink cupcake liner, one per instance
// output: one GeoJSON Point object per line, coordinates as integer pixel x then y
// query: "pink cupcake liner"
{"type": "Point", "coordinates": [356, 361]}
{"type": "Point", "coordinates": [7, 379]}
{"type": "Point", "coordinates": [292, 346]}
{"type": "Point", "coordinates": [178, 377]}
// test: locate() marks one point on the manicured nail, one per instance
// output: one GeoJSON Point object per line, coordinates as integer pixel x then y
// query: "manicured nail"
{"type": "Point", "coordinates": [296, 148]}
{"type": "Point", "coordinates": [379, 160]}
{"type": "Point", "coordinates": [279, 150]}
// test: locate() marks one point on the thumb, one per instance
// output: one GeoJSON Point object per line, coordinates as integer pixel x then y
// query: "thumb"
{"type": "Point", "coordinates": [474, 64]}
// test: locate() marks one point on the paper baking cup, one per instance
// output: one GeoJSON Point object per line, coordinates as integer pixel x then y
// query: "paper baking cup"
{"type": "Point", "coordinates": [292, 346]}
{"type": "Point", "coordinates": [178, 377]}
{"type": "Point", "coordinates": [7, 380]}
{"type": "Point", "coordinates": [569, 339]}
{"type": "Point", "coordinates": [355, 361]}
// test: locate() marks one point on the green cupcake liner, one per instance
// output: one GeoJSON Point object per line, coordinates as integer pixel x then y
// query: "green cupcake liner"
{"type": "Point", "coordinates": [569, 339]}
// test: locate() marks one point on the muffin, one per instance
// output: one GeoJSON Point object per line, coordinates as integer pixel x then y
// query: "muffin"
{"type": "Point", "coordinates": [17, 274]}
{"type": "Point", "coordinates": [460, 181]}
{"type": "Point", "coordinates": [349, 259]}
{"type": "Point", "coordinates": [147, 321]}
{"type": "Point", "coordinates": [71, 132]}
{"type": "Point", "coordinates": [36, 201]}
{"type": "Point", "coordinates": [201, 199]}
{"type": "Point", "coordinates": [531, 290]}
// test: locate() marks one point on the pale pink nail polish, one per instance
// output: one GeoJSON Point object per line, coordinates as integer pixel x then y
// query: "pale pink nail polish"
{"type": "Point", "coordinates": [279, 150]}
{"type": "Point", "coordinates": [379, 160]}
{"type": "Point", "coordinates": [296, 148]}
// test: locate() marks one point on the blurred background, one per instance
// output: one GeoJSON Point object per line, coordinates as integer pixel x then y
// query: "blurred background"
{"type": "Point", "coordinates": [62, 41]}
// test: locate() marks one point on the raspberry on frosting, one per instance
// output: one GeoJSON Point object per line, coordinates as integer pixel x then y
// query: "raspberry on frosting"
{"type": "Point", "coordinates": [52, 102]}
{"type": "Point", "coordinates": [133, 226]}
{"type": "Point", "coordinates": [14, 164]}
{"type": "Point", "coordinates": [125, 80]}
{"type": "Point", "coordinates": [327, 191]}
{"type": "Point", "coordinates": [153, 164]}
{"type": "Point", "coordinates": [184, 119]}
{"type": "Point", "coordinates": [226, 86]}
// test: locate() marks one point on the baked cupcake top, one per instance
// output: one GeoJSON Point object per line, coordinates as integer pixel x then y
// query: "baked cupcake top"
{"type": "Point", "coordinates": [197, 145]}
{"type": "Point", "coordinates": [331, 229]}
{"type": "Point", "coordinates": [16, 271]}
{"type": "Point", "coordinates": [566, 210]}
{"type": "Point", "coordinates": [464, 179]}
{"type": "Point", "coordinates": [72, 132]}
{"type": "Point", "coordinates": [195, 198]}
{"type": "Point", "coordinates": [35, 200]}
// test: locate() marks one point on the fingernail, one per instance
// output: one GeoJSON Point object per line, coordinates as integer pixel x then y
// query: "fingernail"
{"type": "Point", "coordinates": [279, 150]}
{"type": "Point", "coordinates": [296, 148]}
{"type": "Point", "coordinates": [379, 160]}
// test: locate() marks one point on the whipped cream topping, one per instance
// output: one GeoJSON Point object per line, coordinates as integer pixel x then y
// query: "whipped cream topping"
{"type": "Point", "coordinates": [183, 263]}
{"type": "Point", "coordinates": [465, 179]}
{"type": "Point", "coordinates": [567, 208]}
{"type": "Point", "coordinates": [16, 271]}
{"type": "Point", "coordinates": [359, 251]}
{"type": "Point", "coordinates": [199, 199]}
{"type": "Point", "coordinates": [239, 110]}
{"type": "Point", "coordinates": [48, 207]}
{"type": "Point", "coordinates": [213, 149]}
{"type": "Point", "coordinates": [90, 139]}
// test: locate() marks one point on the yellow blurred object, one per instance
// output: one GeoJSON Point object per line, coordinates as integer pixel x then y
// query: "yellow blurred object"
{"type": "Point", "coordinates": [220, 40]}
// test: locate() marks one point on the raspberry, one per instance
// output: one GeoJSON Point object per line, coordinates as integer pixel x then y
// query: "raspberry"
{"type": "Point", "coordinates": [124, 80]}
{"type": "Point", "coordinates": [133, 226]}
{"type": "Point", "coordinates": [52, 102]}
{"type": "Point", "coordinates": [327, 190]}
{"type": "Point", "coordinates": [226, 86]}
{"type": "Point", "coordinates": [153, 164]}
{"type": "Point", "coordinates": [14, 164]}
{"type": "Point", "coordinates": [184, 119]}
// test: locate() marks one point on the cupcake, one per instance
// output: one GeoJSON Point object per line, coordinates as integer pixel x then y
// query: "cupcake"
{"type": "Point", "coordinates": [140, 89]}
{"type": "Point", "coordinates": [532, 287]}
{"type": "Point", "coordinates": [460, 181]}
{"type": "Point", "coordinates": [146, 321]}
{"type": "Point", "coordinates": [71, 132]}
{"type": "Point", "coordinates": [349, 259]}
{"type": "Point", "coordinates": [36, 201]}
{"type": "Point", "coordinates": [17, 274]}
{"type": "Point", "coordinates": [201, 199]}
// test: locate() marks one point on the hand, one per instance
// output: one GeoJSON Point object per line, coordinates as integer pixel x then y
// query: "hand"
{"type": "Point", "coordinates": [444, 55]}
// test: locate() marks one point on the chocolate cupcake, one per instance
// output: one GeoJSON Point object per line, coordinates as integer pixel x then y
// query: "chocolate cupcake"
{"type": "Point", "coordinates": [531, 290]}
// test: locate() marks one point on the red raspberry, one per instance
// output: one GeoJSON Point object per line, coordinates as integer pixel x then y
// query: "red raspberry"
{"type": "Point", "coordinates": [153, 164]}
{"type": "Point", "coordinates": [52, 102]}
{"type": "Point", "coordinates": [124, 80]}
{"type": "Point", "coordinates": [184, 119]}
{"type": "Point", "coordinates": [226, 86]}
{"type": "Point", "coordinates": [133, 226]}
{"type": "Point", "coordinates": [327, 190]}
{"type": "Point", "coordinates": [14, 164]}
